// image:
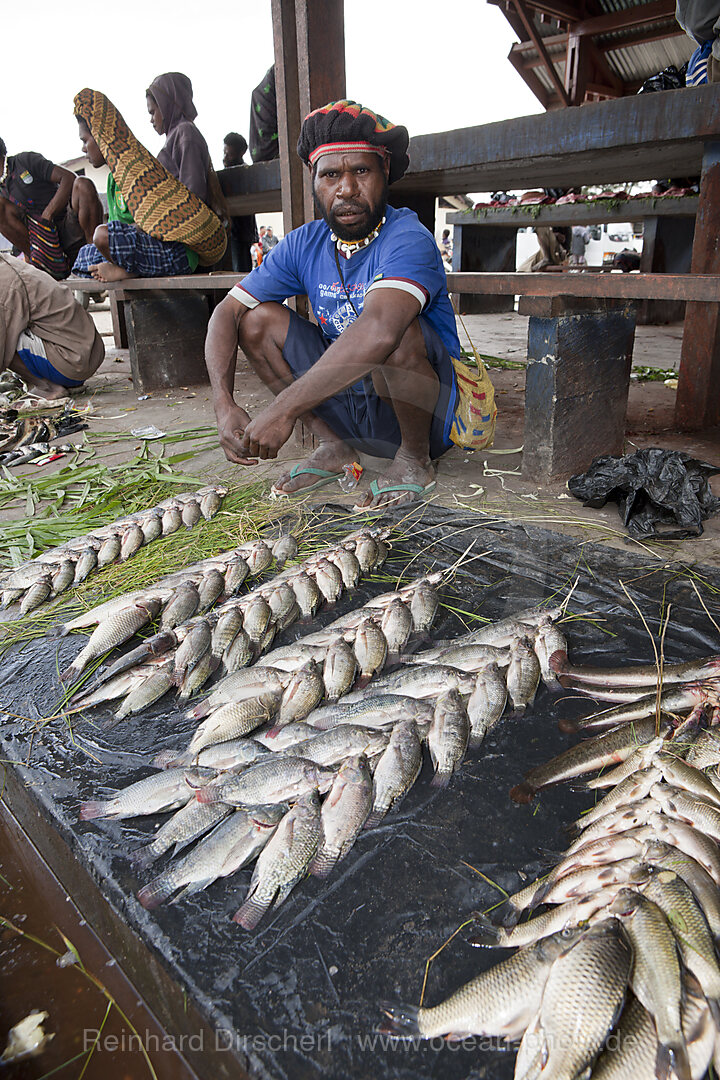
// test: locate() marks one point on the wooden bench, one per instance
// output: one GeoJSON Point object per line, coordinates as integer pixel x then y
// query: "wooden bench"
{"type": "Point", "coordinates": [162, 322]}
{"type": "Point", "coordinates": [485, 239]}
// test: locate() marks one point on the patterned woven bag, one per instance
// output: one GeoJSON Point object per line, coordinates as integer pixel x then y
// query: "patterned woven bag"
{"type": "Point", "coordinates": [473, 425]}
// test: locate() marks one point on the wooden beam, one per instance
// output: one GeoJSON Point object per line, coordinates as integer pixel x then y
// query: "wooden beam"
{"type": "Point", "coordinates": [288, 112]}
{"type": "Point", "coordinates": [530, 78]}
{"type": "Point", "coordinates": [628, 18]}
{"type": "Point", "coordinates": [538, 42]}
{"type": "Point", "coordinates": [320, 28]}
{"type": "Point", "coordinates": [702, 288]}
{"type": "Point", "coordinates": [697, 404]}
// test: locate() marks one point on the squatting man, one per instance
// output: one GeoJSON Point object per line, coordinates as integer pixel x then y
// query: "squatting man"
{"type": "Point", "coordinates": [376, 374]}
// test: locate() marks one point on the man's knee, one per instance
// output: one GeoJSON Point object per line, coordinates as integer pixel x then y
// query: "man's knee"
{"type": "Point", "coordinates": [8, 211]}
{"type": "Point", "coordinates": [266, 322]}
{"type": "Point", "coordinates": [84, 193]}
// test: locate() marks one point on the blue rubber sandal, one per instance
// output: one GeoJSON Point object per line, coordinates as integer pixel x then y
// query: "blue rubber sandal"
{"type": "Point", "coordinates": [326, 477]}
{"type": "Point", "coordinates": [376, 490]}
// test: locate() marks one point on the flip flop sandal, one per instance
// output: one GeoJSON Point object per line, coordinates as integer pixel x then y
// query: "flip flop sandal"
{"type": "Point", "coordinates": [305, 470]}
{"type": "Point", "coordinates": [376, 490]}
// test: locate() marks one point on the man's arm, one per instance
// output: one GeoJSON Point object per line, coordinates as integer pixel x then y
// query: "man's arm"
{"type": "Point", "coordinates": [221, 345]}
{"type": "Point", "coordinates": [65, 180]}
{"type": "Point", "coordinates": [365, 345]}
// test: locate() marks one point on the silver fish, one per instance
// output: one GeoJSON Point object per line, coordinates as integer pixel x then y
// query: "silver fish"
{"type": "Point", "coordinates": [339, 669]}
{"type": "Point", "coordinates": [225, 630]}
{"type": "Point", "coordinates": [211, 502]}
{"type": "Point", "coordinates": [109, 550]}
{"type": "Point", "coordinates": [232, 721]}
{"type": "Point", "coordinates": [210, 587]}
{"type": "Point", "coordinates": [283, 861]}
{"type": "Point", "coordinates": [196, 676]}
{"type": "Point", "coordinates": [583, 997]}
{"type": "Point", "coordinates": [151, 525]}
{"type": "Point", "coordinates": [370, 648]}
{"type": "Point", "coordinates": [181, 606]}
{"type": "Point", "coordinates": [366, 552]}
{"type": "Point", "coordinates": [347, 740]}
{"type": "Point", "coordinates": [232, 844]}
{"type": "Point", "coordinates": [423, 607]}
{"type": "Point", "coordinates": [549, 640]}
{"type": "Point", "coordinates": [87, 562]}
{"type": "Point", "coordinates": [283, 605]}
{"type": "Point", "coordinates": [448, 736]}
{"type": "Point", "coordinates": [279, 778]}
{"type": "Point", "coordinates": [171, 520]}
{"type": "Point", "coordinates": [553, 921]}
{"type": "Point", "coordinates": [36, 595]}
{"type": "Point", "coordinates": [344, 812]}
{"type": "Point", "coordinates": [193, 648]}
{"type": "Point", "coordinates": [259, 557]}
{"type": "Point", "coordinates": [186, 825]}
{"type": "Point", "coordinates": [132, 540]}
{"type": "Point", "coordinates": [487, 702]}
{"type": "Point", "coordinates": [376, 712]}
{"type": "Point", "coordinates": [397, 770]}
{"type": "Point", "coordinates": [498, 1003]}
{"type": "Point", "coordinates": [397, 625]}
{"type": "Point", "coordinates": [148, 692]}
{"type": "Point", "coordinates": [114, 631]}
{"type": "Point", "coordinates": [63, 576]}
{"type": "Point", "coordinates": [284, 548]}
{"type": "Point", "coordinates": [279, 739]}
{"type": "Point", "coordinates": [348, 565]}
{"type": "Point", "coordinates": [238, 653]}
{"type": "Point", "coordinates": [162, 791]}
{"type": "Point", "coordinates": [418, 682]}
{"type": "Point", "coordinates": [256, 618]}
{"type": "Point", "coordinates": [190, 513]}
{"type": "Point", "coordinates": [306, 592]}
{"type": "Point", "coordinates": [523, 674]}
{"type": "Point", "coordinates": [235, 573]}
{"type": "Point", "coordinates": [301, 695]}
{"type": "Point", "coordinates": [689, 926]}
{"type": "Point", "coordinates": [328, 579]}
{"type": "Point", "coordinates": [240, 685]}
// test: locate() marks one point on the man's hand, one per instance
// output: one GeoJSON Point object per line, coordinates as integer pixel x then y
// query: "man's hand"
{"type": "Point", "coordinates": [232, 422]}
{"type": "Point", "coordinates": [267, 433]}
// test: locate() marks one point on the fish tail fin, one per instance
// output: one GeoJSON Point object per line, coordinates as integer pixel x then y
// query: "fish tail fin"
{"type": "Point", "coordinates": [167, 759]}
{"type": "Point", "coordinates": [374, 819]}
{"type": "Point", "coordinates": [156, 893]}
{"type": "Point", "coordinates": [93, 809]}
{"type": "Point", "coordinates": [441, 779]}
{"type": "Point", "coordinates": [249, 914]}
{"type": "Point", "coordinates": [477, 736]}
{"type": "Point", "coordinates": [523, 792]}
{"type": "Point", "coordinates": [568, 725]}
{"type": "Point", "coordinates": [672, 1061]}
{"type": "Point", "coordinates": [323, 864]}
{"type": "Point", "coordinates": [70, 674]}
{"type": "Point", "coordinates": [143, 857]}
{"type": "Point", "coordinates": [483, 933]}
{"type": "Point", "coordinates": [401, 1022]}
{"type": "Point", "coordinates": [508, 915]}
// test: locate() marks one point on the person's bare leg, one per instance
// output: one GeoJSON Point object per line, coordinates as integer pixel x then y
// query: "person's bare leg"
{"type": "Point", "coordinates": [262, 336]}
{"type": "Point", "coordinates": [409, 384]}
{"type": "Point", "coordinates": [13, 227]}
{"type": "Point", "coordinates": [42, 387]}
{"type": "Point", "coordinates": [106, 271]}
{"type": "Point", "coordinates": [87, 206]}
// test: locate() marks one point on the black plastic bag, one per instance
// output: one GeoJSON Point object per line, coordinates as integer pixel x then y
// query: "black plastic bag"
{"type": "Point", "coordinates": [670, 78]}
{"type": "Point", "coordinates": [655, 489]}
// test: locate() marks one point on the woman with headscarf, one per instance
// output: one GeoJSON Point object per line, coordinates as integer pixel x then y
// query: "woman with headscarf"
{"type": "Point", "coordinates": [156, 225]}
{"type": "Point", "coordinates": [172, 112]}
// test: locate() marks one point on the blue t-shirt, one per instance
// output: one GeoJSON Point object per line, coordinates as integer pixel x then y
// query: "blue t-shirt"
{"type": "Point", "coordinates": [403, 255]}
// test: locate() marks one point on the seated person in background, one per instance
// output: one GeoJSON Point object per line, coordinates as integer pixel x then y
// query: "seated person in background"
{"type": "Point", "coordinates": [700, 19]}
{"type": "Point", "coordinates": [264, 145]}
{"type": "Point", "coordinates": [269, 240]}
{"type": "Point", "coordinates": [35, 214]}
{"type": "Point", "coordinates": [172, 112]}
{"type": "Point", "coordinates": [243, 229]}
{"type": "Point", "coordinates": [376, 374]}
{"type": "Point", "coordinates": [46, 337]}
{"type": "Point", "coordinates": [156, 226]}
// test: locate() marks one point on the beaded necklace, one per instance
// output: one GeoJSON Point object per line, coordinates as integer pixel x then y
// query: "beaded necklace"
{"type": "Point", "coordinates": [349, 247]}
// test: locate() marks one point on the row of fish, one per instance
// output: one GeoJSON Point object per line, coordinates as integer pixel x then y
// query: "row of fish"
{"type": "Point", "coordinates": [51, 573]}
{"type": "Point", "coordinates": [618, 977]}
{"type": "Point", "coordinates": [188, 648]}
{"type": "Point", "coordinates": [267, 748]}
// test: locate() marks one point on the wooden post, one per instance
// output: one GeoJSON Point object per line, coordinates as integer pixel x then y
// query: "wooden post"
{"type": "Point", "coordinates": [697, 404]}
{"type": "Point", "coordinates": [288, 112]}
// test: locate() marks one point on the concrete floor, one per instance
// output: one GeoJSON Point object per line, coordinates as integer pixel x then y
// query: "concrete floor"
{"type": "Point", "coordinates": [488, 481]}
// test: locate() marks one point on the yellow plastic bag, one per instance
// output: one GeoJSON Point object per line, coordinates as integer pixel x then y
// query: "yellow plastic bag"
{"type": "Point", "coordinates": [473, 425]}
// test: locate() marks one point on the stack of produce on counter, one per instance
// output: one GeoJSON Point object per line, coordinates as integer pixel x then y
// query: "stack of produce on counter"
{"type": "Point", "coordinates": [51, 573]}
{"type": "Point", "coordinates": [618, 977]}
{"type": "Point", "coordinates": [316, 718]}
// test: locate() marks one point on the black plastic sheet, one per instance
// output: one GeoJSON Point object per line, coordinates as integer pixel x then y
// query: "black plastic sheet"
{"type": "Point", "coordinates": [656, 490]}
{"type": "Point", "coordinates": [299, 997]}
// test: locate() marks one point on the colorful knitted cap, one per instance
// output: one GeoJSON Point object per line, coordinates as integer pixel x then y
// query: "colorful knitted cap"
{"type": "Point", "coordinates": [347, 127]}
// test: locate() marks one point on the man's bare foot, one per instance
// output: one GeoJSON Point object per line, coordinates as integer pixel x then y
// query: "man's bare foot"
{"type": "Point", "coordinates": [37, 386]}
{"type": "Point", "coordinates": [108, 271]}
{"type": "Point", "coordinates": [387, 489]}
{"type": "Point", "coordinates": [329, 456]}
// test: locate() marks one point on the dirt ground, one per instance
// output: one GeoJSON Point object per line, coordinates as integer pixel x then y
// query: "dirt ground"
{"type": "Point", "coordinates": [489, 482]}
